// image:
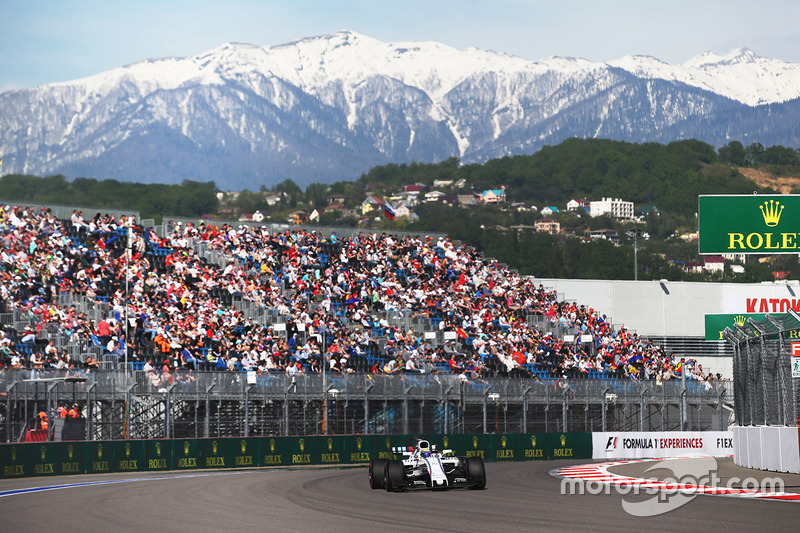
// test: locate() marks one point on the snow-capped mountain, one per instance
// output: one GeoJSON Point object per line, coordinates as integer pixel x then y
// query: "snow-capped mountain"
{"type": "Point", "coordinates": [741, 75]}
{"type": "Point", "coordinates": [328, 108]}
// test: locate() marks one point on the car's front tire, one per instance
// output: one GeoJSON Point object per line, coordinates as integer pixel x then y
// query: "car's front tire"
{"type": "Point", "coordinates": [377, 473]}
{"type": "Point", "coordinates": [395, 475]}
{"type": "Point", "coordinates": [476, 473]}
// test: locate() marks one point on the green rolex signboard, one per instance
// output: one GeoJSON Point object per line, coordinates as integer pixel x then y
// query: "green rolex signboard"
{"type": "Point", "coordinates": [716, 323]}
{"type": "Point", "coordinates": [749, 224]}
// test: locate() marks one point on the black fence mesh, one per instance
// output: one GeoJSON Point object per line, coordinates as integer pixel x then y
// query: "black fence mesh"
{"type": "Point", "coordinates": [766, 371]}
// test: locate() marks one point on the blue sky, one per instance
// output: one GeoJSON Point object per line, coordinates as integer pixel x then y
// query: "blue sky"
{"type": "Point", "coordinates": [47, 41]}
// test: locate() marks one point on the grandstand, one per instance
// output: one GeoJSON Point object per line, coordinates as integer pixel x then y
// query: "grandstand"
{"type": "Point", "coordinates": [289, 302]}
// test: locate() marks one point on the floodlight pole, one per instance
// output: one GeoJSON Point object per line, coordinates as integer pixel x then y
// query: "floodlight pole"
{"type": "Point", "coordinates": [635, 234]}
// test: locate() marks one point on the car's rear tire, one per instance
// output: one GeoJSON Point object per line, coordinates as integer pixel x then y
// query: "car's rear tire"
{"type": "Point", "coordinates": [377, 473]}
{"type": "Point", "coordinates": [395, 475]}
{"type": "Point", "coordinates": [476, 473]}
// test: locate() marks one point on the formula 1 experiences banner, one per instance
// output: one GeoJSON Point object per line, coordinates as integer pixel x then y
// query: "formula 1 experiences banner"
{"type": "Point", "coordinates": [659, 444]}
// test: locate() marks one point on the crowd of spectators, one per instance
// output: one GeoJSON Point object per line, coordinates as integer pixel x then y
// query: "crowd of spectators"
{"type": "Point", "coordinates": [168, 308]}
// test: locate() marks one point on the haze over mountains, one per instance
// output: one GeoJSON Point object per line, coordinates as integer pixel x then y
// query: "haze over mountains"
{"type": "Point", "coordinates": [328, 108]}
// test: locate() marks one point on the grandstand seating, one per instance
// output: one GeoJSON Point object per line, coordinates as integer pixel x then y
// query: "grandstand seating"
{"type": "Point", "coordinates": [407, 265]}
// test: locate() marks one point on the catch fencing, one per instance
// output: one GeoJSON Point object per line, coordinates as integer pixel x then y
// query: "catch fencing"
{"type": "Point", "coordinates": [766, 371]}
{"type": "Point", "coordinates": [133, 405]}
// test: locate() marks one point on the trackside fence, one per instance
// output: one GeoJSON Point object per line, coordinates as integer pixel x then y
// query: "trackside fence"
{"type": "Point", "coordinates": [119, 405]}
{"type": "Point", "coordinates": [766, 370]}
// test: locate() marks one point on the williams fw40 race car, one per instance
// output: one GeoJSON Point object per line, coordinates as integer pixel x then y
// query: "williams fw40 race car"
{"type": "Point", "coordinates": [423, 467]}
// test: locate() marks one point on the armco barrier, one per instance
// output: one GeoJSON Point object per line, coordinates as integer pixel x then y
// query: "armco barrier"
{"type": "Point", "coordinates": [91, 457]}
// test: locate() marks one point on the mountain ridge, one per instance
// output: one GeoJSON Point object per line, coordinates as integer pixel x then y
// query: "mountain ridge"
{"type": "Point", "coordinates": [327, 108]}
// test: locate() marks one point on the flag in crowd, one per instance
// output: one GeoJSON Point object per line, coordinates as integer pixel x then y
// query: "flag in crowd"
{"type": "Point", "coordinates": [388, 210]}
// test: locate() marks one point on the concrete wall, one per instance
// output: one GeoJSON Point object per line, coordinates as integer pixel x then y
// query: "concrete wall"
{"type": "Point", "coordinates": [674, 308]}
{"type": "Point", "coordinates": [773, 448]}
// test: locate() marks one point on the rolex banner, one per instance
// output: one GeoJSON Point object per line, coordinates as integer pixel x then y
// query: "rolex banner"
{"type": "Point", "coordinates": [54, 458]}
{"type": "Point", "coordinates": [749, 224]}
{"type": "Point", "coordinates": [716, 323]}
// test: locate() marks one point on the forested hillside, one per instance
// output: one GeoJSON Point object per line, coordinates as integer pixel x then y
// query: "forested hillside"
{"type": "Point", "coordinates": [191, 198]}
{"type": "Point", "coordinates": [668, 177]}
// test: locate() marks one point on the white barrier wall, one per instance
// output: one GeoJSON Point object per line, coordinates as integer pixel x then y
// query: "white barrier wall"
{"type": "Point", "coordinates": [674, 308]}
{"type": "Point", "coordinates": [660, 444]}
{"type": "Point", "coordinates": [775, 448]}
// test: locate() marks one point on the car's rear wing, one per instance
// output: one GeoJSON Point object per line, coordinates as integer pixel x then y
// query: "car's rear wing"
{"type": "Point", "coordinates": [402, 450]}
{"type": "Point", "coordinates": [409, 450]}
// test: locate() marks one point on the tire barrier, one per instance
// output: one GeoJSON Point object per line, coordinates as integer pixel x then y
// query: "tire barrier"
{"type": "Point", "coordinates": [92, 457]}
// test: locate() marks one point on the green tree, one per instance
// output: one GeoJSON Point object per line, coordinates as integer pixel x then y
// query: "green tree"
{"type": "Point", "coordinates": [780, 155]}
{"type": "Point", "coordinates": [754, 153]}
{"type": "Point", "coordinates": [733, 153]}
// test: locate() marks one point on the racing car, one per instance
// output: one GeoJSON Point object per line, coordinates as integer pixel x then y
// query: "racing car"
{"type": "Point", "coordinates": [424, 467]}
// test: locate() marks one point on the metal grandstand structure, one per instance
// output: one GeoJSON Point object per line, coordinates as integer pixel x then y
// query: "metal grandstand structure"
{"type": "Point", "coordinates": [766, 369]}
{"type": "Point", "coordinates": [120, 405]}
{"type": "Point", "coordinates": [120, 401]}
{"type": "Point", "coordinates": [342, 232]}
{"type": "Point", "coordinates": [65, 211]}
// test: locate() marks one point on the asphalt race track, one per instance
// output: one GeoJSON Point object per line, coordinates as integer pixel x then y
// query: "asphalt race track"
{"type": "Point", "coordinates": [518, 497]}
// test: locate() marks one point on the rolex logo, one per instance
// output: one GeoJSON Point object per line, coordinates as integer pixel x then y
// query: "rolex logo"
{"type": "Point", "coordinates": [330, 444]}
{"type": "Point", "coordinates": [771, 211]}
{"type": "Point", "coordinates": [358, 443]}
{"type": "Point", "coordinates": [158, 449]}
{"type": "Point", "coordinates": [503, 441]}
{"type": "Point", "coordinates": [99, 451]}
{"type": "Point", "coordinates": [533, 441]}
{"type": "Point", "coordinates": [70, 451]}
{"type": "Point", "coordinates": [44, 453]}
{"type": "Point", "coordinates": [186, 447]}
{"type": "Point", "coordinates": [446, 441]}
{"type": "Point", "coordinates": [302, 445]}
{"type": "Point", "coordinates": [214, 447]}
{"type": "Point", "coordinates": [739, 320]}
{"type": "Point", "coordinates": [475, 441]}
{"type": "Point", "coordinates": [244, 446]}
{"type": "Point", "coordinates": [563, 440]}
{"type": "Point", "coordinates": [272, 445]}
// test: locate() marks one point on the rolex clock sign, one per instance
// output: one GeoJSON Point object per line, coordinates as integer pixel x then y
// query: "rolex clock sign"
{"type": "Point", "coordinates": [749, 224]}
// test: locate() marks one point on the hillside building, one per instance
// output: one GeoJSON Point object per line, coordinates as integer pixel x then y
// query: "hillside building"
{"type": "Point", "coordinates": [612, 206]}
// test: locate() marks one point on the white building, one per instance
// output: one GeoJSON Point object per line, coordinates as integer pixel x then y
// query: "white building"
{"type": "Point", "coordinates": [433, 196]}
{"type": "Point", "coordinates": [612, 206]}
{"type": "Point", "coordinates": [574, 205]}
{"type": "Point", "coordinates": [714, 263]}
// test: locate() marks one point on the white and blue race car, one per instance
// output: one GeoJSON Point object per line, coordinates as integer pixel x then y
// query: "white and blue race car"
{"type": "Point", "coordinates": [423, 467]}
